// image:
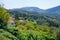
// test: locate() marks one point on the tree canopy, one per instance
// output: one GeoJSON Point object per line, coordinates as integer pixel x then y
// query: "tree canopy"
{"type": "Point", "coordinates": [4, 16]}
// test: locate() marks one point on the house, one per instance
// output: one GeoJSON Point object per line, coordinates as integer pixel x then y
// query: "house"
{"type": "Point", "coordinates": [21, 21]}
{"type": "Point", "coordinates": [11, 21]}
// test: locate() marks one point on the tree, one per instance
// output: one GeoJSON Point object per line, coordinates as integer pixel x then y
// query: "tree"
{"type": "Point", "coordinates": [58, 35]}
{"type": "Point", "coordinates": [4, 16]}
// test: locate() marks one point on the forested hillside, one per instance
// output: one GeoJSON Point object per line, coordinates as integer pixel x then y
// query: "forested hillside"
{"type": "Point", "coordinates": [27, 25]}
{"type": "Point", "coordinates": [40, 18]}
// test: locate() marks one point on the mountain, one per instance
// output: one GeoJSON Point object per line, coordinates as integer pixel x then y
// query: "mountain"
{"type": "Point", "coordinates": [37, 17]}
{"type": "Point", "coordinates": [34, 9]}
{"type": "Point", "coordinates": [54, 9]}
{"type": "Point", "coordinates": [53, 12]}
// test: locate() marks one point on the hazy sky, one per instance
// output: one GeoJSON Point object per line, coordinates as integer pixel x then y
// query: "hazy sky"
{"type": "Point", "coordinates": [43, 4]}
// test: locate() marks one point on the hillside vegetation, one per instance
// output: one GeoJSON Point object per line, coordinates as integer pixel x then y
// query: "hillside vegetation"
{"type": "Point", "coordinates": [26, 25]}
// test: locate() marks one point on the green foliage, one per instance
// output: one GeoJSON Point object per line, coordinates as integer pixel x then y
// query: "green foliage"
{"type": "Point", "coordinates": [6, 35]}
{"type": "Point", "coordinates": [35, 26]}
{"type": "Point", "coordinates": [40, 18]}
{"type": "Point", "coordinates": [39, 33]}
{"type": "Point", "coordinates": [2, 37]}
{"type": "Point", "coordinates": [4, 16]}
{"type": "Point", "coordinates": [58, 35]}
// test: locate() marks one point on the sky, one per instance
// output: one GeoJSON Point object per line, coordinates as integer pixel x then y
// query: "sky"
{"type": "Point", "coordinates": [43, 4]}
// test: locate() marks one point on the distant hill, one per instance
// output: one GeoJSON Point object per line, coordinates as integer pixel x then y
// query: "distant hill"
{"type": "Point", "coordinates": [33, 13]}
{"type": "Point", "coordinates": [39, 15]}
{"type": "Point", "coordinates": [34, 9]}
{"type": "Point", "coordinates": [53, 12]}
{"type": "Point", "coordinates": [54, 9]}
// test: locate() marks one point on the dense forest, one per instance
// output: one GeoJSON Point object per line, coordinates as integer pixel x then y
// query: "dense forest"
{"type": "Point", "coordinates": [17, 24]}
{"type": "Point", "coordinates": [38, 18]}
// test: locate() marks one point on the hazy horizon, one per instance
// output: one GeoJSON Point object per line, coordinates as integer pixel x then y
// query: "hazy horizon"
{"type": "Point", "coordinates": [28, 3]}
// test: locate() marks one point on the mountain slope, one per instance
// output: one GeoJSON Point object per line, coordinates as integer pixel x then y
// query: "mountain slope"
{"type": "Point", "coordinates": [35, 9]}
{"type": "Point", "coordinates": [41, 19]}
{"type": "Point", "coordinates": [53, 12]}
{"type": "Point", "coordinates": [54, 9]}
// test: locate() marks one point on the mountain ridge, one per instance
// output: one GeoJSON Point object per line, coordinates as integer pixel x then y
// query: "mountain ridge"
{"type": "Point", "coordinates": [54, 9]}
{"type": "Point", "coordinates": [36, 9]}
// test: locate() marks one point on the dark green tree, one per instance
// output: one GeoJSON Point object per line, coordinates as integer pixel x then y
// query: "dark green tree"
{"type": "Point", "coordinates": [4, 16]}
